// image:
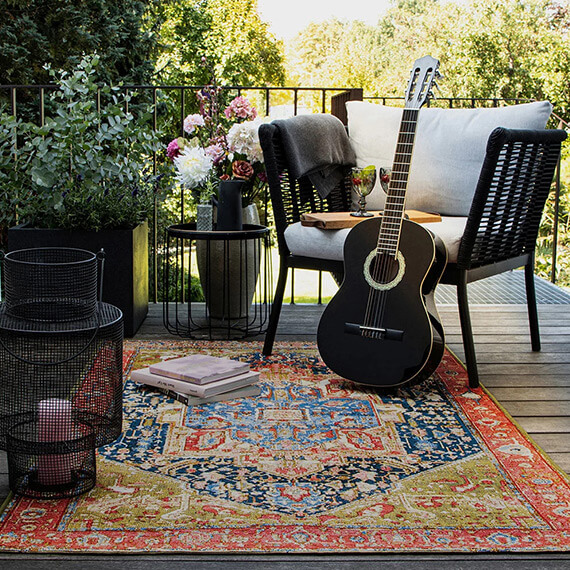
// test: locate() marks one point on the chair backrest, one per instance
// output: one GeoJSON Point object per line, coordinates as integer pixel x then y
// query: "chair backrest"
{"type": "Point", "coordinates": [292, 197]}
{"type": "Point", "coordinates": [512, 189]}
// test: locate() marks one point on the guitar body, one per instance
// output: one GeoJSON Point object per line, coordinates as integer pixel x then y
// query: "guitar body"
{"type": "Point", "coordinates": [412, 344]}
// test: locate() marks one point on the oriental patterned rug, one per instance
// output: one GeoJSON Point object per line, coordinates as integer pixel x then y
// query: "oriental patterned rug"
{"type": "Point", "coordinates": [312, 464]}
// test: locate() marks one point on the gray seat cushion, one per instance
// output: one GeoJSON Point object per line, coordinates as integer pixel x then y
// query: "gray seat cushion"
{"type": "Point", "coordinates": [329, 244]}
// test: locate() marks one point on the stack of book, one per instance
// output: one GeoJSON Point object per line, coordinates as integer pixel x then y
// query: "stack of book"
{"type": "Point", "coordinates": [200, 378]}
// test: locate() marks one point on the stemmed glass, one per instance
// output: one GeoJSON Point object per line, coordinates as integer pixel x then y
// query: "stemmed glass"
{"type": "Point", "coordinates": [363, 180]}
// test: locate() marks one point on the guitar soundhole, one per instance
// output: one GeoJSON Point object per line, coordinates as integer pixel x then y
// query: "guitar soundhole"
{"type": "Point", "coordinates": [384, 268]}
{"type": "Point", "coordinates": [382, 271]}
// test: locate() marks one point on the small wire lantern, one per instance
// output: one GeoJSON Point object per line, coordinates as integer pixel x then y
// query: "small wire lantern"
{"type": "Point", "coordinates": [61, 353]}
{"type": "Point", "coordinates": [52, 455]}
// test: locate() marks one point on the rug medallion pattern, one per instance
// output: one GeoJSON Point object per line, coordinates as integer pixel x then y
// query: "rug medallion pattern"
{"type": "Point", "coordinates": [314, 464]}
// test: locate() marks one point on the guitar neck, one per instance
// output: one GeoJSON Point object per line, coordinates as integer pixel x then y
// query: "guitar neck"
{"type": "Point", "coordinates": [389, 235]}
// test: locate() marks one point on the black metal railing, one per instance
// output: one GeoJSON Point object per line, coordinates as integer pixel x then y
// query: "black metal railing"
{"type": "Point", "coordinates": [275, 101]}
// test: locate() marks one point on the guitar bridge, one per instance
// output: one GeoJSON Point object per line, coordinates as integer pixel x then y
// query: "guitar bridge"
{"type": "Point", "coordinates": [373, 332]}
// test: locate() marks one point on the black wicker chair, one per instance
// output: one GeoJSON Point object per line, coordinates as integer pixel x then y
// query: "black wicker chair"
{"type": "Point", "coordinates": [500, 233]}
{"type": "Point", "coordinates": [503, 222]}
{"type": "Point", "coordinates": [290, 199]}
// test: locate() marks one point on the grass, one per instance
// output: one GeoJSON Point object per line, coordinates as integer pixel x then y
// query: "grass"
{"type": "Point", "coordinates": [306, 287]}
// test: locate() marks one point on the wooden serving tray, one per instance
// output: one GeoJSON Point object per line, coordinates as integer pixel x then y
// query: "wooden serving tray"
{"type": "Point", "coordinates": [339, 220]}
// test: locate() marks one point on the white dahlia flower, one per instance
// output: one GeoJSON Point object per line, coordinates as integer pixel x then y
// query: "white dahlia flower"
{"type": "Point", "coordinates": [193, 166]}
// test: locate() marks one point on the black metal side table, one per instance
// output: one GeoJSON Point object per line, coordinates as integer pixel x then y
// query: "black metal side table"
{"type": "Point", "coordinates": [235, 274]}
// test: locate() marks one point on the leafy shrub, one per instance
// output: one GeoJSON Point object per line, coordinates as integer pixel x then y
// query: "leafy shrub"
{"type": "Point", "coordinates": [89, 166]}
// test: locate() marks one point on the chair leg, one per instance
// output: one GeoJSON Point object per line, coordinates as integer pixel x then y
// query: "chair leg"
{"type": "Point", "coordinates": [467, 331]}
{"type": "Point", "coordinates": [276, 308]}
{"type": "Point", "coordinates": [531, 304]}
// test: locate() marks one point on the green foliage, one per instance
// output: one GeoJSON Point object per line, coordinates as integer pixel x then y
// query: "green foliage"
{"type": "Point", "coordinates": [13, 164]}
{"type": "Point", "coordinates": [335, 54]}
{"type": "Point", "coordinates": [85, 167]}
{"type": "Point", "coordinates": [183, 29]}
{"type": "Point", "coordinates": [193, 289]}
{"type": "Point", "coordinates": [487, 48]}
{"type": "Point", "coordinates": [229, 33]}
{"type": "Point", "coordinates": [59, 32]}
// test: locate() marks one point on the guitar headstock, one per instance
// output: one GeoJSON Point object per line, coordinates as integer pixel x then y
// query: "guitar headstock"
{"type": "Point", "coordinates": [423, 78]}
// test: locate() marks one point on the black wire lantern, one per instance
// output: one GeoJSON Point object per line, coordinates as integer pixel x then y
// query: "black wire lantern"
{"type": "Point", "coordinates": [61, 353]}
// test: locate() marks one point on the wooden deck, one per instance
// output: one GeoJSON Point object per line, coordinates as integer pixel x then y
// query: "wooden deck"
{"type": "Point", "coordinates": [533, 387]}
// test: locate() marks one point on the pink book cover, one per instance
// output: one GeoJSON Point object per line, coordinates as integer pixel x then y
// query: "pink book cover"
{"type": "Point", "coordinates": [199, 368]}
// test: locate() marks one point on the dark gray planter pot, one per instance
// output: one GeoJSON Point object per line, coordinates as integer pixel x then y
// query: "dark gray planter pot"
{"type": "Point", "coordinates": [125, 278]}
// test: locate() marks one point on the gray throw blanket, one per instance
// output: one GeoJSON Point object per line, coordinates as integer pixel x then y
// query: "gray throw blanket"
{"type": "Point", "coordinates": [317, 147]}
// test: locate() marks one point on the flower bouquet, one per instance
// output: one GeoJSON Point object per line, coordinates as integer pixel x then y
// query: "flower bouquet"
{"type": "Point", "coordinates": [219, 147]}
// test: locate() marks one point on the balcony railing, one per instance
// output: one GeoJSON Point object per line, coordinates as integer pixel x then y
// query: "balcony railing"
{"type": "Point", "coordinates": [277, 102]}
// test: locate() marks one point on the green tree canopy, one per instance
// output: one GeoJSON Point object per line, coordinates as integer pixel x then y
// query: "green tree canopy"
{"type": "Point", "coordinates": [336, 53]}
{"type": "Point", "coordinates": [229, 33]}
{"type": "Point", "coordinates": [487, 48]}
{"type": "Point", "coordinates": [59, 32]}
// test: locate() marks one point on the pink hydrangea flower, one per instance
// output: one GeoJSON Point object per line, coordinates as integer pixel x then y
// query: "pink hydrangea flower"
{"type": "Point", "coordinates": [172, 150]}
{"type": "Point", "coordinates": [193, 121]}
{"type": "Point", "coordinates": [240, 108]}
{"type": "Point", "coordinates": [215, 152]}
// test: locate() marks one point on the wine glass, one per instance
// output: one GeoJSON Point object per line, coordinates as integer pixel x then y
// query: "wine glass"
{"type": "Point", "coordinates": [384, 176]}
{"type": "Point", "coordinates": [362, 180]}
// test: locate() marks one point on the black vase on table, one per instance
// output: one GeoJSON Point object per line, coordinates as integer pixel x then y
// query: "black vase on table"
{"type": "Point", "coordinates": [229, 205]}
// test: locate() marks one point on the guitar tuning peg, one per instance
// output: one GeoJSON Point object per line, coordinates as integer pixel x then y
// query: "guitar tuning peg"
{"type": "Point", "coordinates": [438, 74]}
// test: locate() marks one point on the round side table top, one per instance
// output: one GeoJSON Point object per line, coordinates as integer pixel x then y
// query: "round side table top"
{"type": "Point", "coordinates": [189, 231]}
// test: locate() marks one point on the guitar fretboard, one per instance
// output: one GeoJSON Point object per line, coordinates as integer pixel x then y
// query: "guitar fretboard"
{"type": "Point", "coordinates": [389, 235]}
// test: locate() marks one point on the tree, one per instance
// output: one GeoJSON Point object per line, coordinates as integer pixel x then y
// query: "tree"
{"type": "Point", "coordinates": [516, 49]}
{"type": "Point", "coordinates": [487, 48]}
{"type": "Point", "coordinates": [59, 32]}
{"type": "Point", "coordinates": [183, 30]}
{"type": "Point", "coordinates": [508, 49]}
{"type": "Point", "coordinates": [335, 53]}
{"type": "Point", "coordinates": [229, 33]}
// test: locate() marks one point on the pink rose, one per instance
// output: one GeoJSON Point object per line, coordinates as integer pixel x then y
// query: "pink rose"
{"type": "Point", "coordinates": [193, 121]}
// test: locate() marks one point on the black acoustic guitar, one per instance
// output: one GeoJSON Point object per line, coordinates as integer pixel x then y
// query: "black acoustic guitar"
{"type": "Point", "coordinates": [382, 328]}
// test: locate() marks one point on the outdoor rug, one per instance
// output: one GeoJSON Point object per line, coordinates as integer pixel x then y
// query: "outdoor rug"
{"type": "Point", "coordinates": [313, 464]}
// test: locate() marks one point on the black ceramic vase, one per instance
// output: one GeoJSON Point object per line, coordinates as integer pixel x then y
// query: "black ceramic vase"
{"type": "Point", "coordinates": [229, 206]}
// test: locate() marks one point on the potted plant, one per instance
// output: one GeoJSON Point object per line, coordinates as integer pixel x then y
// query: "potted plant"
{"type": "Point", "coordinates": [86, 178]}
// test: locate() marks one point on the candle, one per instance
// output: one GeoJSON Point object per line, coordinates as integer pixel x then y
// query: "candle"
{"type": "Point", "coordinates": [54, 424]}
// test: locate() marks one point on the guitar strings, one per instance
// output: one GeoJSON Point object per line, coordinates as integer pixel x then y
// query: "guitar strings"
{"type": "Point", "coordinates": [377, 299]}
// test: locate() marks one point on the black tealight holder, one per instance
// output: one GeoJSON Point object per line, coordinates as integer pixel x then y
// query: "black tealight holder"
{"type": "Point", "coordinates": [56, 469]}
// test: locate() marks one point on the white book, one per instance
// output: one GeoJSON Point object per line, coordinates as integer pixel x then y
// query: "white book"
{"type": "Point", "coordinates": [145, 376]}
{"type": "Point", "coordinates": [244, 392]}
{"type": "Point", "coordinates": [199, 368]}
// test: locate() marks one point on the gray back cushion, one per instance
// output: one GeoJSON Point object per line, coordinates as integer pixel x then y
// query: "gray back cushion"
{"type": "Point", "coordinates": [448, 152]}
